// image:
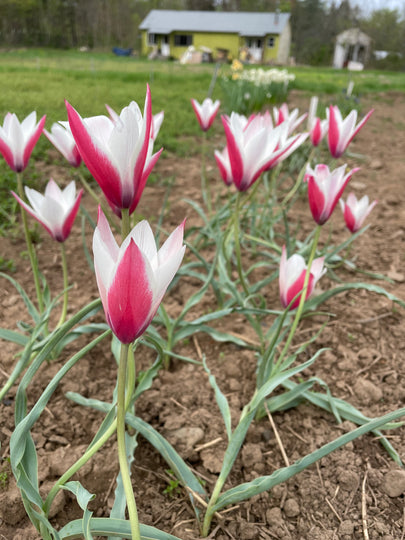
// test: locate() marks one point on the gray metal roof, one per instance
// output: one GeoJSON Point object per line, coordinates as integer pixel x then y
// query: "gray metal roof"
{"type": "Point", "coordinates": [162, 21]}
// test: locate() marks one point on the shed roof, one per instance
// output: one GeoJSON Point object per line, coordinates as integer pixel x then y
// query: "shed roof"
{"type": "Point", "coordinates": [353, 36]}
{"type": "Point", "coordinates": [162, 21]}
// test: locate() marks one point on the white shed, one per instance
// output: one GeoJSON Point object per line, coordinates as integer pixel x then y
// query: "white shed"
{"type": "Point", "coordinates": [351, 46]}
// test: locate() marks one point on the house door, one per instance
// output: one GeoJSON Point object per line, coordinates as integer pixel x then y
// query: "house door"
{"type": "Point", "coordinates": [165, 46]}
{"type": "Point", "coordinates": [255, 46]}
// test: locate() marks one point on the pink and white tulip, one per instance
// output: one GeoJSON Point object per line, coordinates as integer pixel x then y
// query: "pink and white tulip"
{"type": "Point", "coordinates": [206, 112]}
{"type": "Point", "coordinates": [133, 278]}
{"type": "Point", "coordinates": [318, 130]}
{"type": "Point", "coordinates": [55, 210]}
{"type": "Point", "coordinates": [355, 211]}
{"type": "Point", "coordinates": [118, 153]}
{"type": "Point", "coordinates": [283, 114]}
{"type": "Point", "coordinates": [157, 120]}
{"type": "Point", "coordinates": [342, 131]}
{"type": "Point", "coordinates": [62, 139]}
{"type": "Point", "coordinates": [325, 188]}
{"type": "Point", "coordinates": [292, 276]}
{"type": "Point", "coordinates": [17, 140]}
{"type": "Point", "coordinates": [252, 148]}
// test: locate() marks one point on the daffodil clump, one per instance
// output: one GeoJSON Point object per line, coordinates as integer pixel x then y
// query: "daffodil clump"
{"type": "Point", "coordinates": [248, 90]}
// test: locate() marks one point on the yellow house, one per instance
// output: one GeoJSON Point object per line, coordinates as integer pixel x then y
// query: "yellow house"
{"type": "Point", "coordinates": [262, 37]}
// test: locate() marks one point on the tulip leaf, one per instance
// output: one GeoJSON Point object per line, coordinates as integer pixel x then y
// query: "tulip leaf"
{"type": "Point", "coordinates": [14, 337]}
{"type": "Point", "coordinates": [112, 527]}
{"type": "Point", "coordinates": [264, 483]}
{"type": "Point", "coordinates": [222, 402]}
{"type": "Point", "coordinates": [315, 301]}
{"type": "Point", "coordinates": [169, 454]}
{"type": "Point", "coordinates": [343, 409]}
{"type": "Point", "coordinates": [83, 498]}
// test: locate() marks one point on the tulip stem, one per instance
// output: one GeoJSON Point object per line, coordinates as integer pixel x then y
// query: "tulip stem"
{"type": "Point", "coordinates": [93, 448]}
{"type": "Point", "coordinates": [237, 244]}
{"type": "Point", "coordinates": [30, 247]}
{"type": "Point", "coordinates": [300, 177]}
{"type": "Point", "coordinates": [122, 454]}
{"type": "Point", "coordinates": [302, 297]}
{"type": "Point", "coordinates": [205, 187]}
{"type": "Point", "coordinates": [65, 286]}
{"type": "Point", "coordinates": [125, 223]}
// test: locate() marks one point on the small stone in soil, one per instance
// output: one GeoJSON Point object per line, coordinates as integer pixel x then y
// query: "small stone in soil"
{"type": "Point", "coordinates": [367, 392]}
{"type": "Point", "coordinates": [348, 480]}
{"type": "Point", "coordinates": [291, 508]}
{"type": "Point", "coordinates": [394, 483]}
{"type": "Point", "coordinates": [346, 527]}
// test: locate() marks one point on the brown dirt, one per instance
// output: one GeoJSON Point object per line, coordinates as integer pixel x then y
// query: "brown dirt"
{"type": "Point", "coordinates": [365, 365]}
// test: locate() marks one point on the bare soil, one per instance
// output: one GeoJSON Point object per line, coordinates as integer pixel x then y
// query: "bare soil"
{"type": "Point", "coordinates": [365, 366]}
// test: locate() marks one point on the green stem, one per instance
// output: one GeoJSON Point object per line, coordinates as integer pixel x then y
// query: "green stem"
{"type": "Point", "coordinates": [30, 247]}
{"type": "Point", "coordinates": [205, 187]}
{"type": "Point", "coordinates": [95, 447]}
{"type": "Point", "coordinates": [125, 223]}
{"type": "Point", "coordinates": [302, 298]}
{"type": "Point", "coordinates": [300, 177]}
{"type": "Point", "coordinates": [210, 508]}
{"type": "Point", "coordinates": [237, 245]}
{"type": "Point", "coordinates": [122, 454]}
{"type": "Point", "coordinates": [65, 286]}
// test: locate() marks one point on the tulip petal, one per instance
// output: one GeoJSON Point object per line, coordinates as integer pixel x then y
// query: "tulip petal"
{"type": "Point", "coordinates": [69, 219]}
{"type": "Point", "coordinates": [97, 160]}
{"type": "Point", "coordinates": [316, 200]}
{"type": "Point", "coordinates": [32, 139]}
{"type": "Point", "coordinates": [130, 295]}
{"type": "Point", "coordinates": [297, 287]}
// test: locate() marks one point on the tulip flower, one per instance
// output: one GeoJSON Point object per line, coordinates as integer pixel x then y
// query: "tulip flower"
{"type": "Point", "coordinates": [318, 130]}
{"type": "Point", "coordinates": [284, 115]}
{"type": "Point", "coordinates": [342, 132]}
{"type": "Point", "coordinates": [17, 140]}
{"type": "Point", "coordinates": [292, 276]}
{"type": "Point", "coordinates": [62, 139]}
{"type": "Point", "coordinates": [205, 112]}
{"type": "Point", "coordinates": [253, 147]}
{"type": "Point", "coordinates": [56, 210]}
{"type": "Point", "coordinates": [133, 278]}
{"type": "Point", "coordinates": [118, 153]}
{"type": "Point", "coordinates": [355, 211]}
{"type": "Point", "coordinates": [325, 189]}
{"type": "Point", "coordinates": [157, 120]}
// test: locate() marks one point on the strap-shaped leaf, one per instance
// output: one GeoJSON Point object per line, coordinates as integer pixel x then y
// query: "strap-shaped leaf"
{"type": "Point", "coordinates": [112, 527]}
{"type": "Point", "coordinates": [315, 301]}
{"type": "Point", "coordinates": [83, 498]}
{"type": "Point", "coordinates": [222, 402]}
{"type": "Point", "coordinates": [14, 337]}
{"type": "Point", "coordinates": [169, 454]}
{"type": "Point", "coordinates": [341, 408]}
{"type": "Point", "coordinates": [19, 439]}
{"type": "Point", "coordinates": [264, 483]}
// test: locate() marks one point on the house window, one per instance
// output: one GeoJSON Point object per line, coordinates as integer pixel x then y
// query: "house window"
{"type": "Point", "coordinates": [152, 39]}
{"type": "Point", "coordinates": [270, 42]}
{"type": "Point", "coordinates": [183, 40]}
